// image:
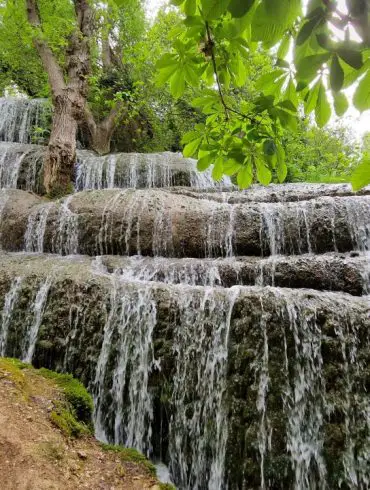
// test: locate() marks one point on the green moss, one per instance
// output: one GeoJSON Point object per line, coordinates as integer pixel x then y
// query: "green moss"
{"type": "Point", "coordinates": [75, 392]}
{"type": "Point", "coordinates": [132, 455]}
{"type": "Point", "coordinates": [59, 191]}
{"type": "Point", "coordinates": [166, 486]}
{"type": "Point", "coordinates": [14, 367]}
{"type": "Point", "coordinates": [65, 420]}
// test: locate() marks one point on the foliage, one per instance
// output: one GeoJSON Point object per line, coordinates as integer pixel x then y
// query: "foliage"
{"type": "Point", "coordinates": [320, 155]}
{"type": "Point", "coordinates": [131, 454]}
{"type": "Point", "coordinates": [72, 413]}
{"type": "Point", "coordinates": [67, 422]}
{"type": "Point", "coordinates": [211, 50]}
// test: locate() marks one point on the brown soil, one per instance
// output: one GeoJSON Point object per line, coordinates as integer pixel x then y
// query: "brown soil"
{"type": "Point", "coordinates": [35, 455]}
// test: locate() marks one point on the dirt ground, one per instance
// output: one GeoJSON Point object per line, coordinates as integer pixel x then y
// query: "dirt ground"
{"type": "Point", "coordinates": [35, 455]}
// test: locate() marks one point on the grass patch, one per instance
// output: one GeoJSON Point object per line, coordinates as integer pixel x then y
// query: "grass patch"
{"type": "Point", "coordinates": [13, 368]}
{"type": "Point", "coordinates": [76, 394]}
{"type": "Point", "coordinates": [66, 421]}
{"type": "Point", "coordinates": [131, 455]}
{"type": "Point", "coordinates": [166, 486]}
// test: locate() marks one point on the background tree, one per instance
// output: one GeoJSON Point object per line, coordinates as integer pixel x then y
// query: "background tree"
{"type": "Point", "coordinates": [213, 49]}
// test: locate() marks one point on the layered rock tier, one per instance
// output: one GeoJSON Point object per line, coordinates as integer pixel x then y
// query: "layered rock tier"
{"type": "Point", "coordinates": [224, 333]}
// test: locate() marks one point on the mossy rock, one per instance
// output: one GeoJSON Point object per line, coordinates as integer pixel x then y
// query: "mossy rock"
{"type": "Point", "coordinates": [76, 394]}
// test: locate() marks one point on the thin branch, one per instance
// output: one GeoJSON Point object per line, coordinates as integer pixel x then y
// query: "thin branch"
{"type": "Point", "coordinates": [226, 107]}
{"type": "Point", "coordinates": [52, 67]}
{"type": "Point", "coordinates": [210, 43]}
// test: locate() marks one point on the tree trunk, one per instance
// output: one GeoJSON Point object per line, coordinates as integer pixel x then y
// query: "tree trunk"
{"type": "Point", "coordinates": [61, 153]}
{"type": "Point", "coordinates": [69, 92]}
{"type": "Point", "coordinates": [100, 133]}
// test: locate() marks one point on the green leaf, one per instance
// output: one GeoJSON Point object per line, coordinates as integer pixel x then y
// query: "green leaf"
{"type": "Point", "coordinates": [218, 169]}
{"type": "Point", "coordinates": [282, 63]}
{"type": "Point", "coordinates": [191, 148]}
{"type": "Point", "coordinates": [269, 147]}
{"type": "Point", "coordinates": [281, 169]}
{"type": "Point", "coordinates": [204, 162]}
{"type": "Point", "coordinates": [284, 46]}
{"type": "Point", "coordinates": [361, 175]}
{"type": "Point", "coordinates": [336, 74]}
{"type": "Point", "coordinates": [240, 72]}
{"type": "Point", "coordinates": [191, 75]}
{"type": "Point", "coordinates": [311, 101]}
{"type": "Point", "coordinates": [307, 68]}
{"type": "Point", "coordinates": [287, 105]}
{"type": "Point", "coordinates": [164, 74]}
{"type": "Point", "coordinates": [306, 30]}
{"type": "Point", "coordinates": [268, 79]}
{"type": "Point", "coordinates": [263, 173]}
{"type": "Point", "coordinates": [166, 60]}
{"type": "Point", "coordinates": [361, 98]}
{"type": "Point", "coordinates": [192, 135]}
{"type": "Point", "coordinates": [194, 20]}
{"type": "Point", "coordinates": [238, 8]}
{"type": "Point", "coordinates": [340, 103]}
{"type": "Point", "coordinates": [291, 93]}
{"type": "Point", "coordinates": [231, 167]}
{"type": "Point", "coordinates": [177, 84]}
{"type": "Point", "coordinates": [322, 110]}
{"type": "Point", "coordinates": [287, 120]}
{"type": "Point", "coordinates": [245, 176]}
{"type": "Point", "coordinates": [212, 9]}
{"type": "Point", "coordinates": [351, 57]}
{"type": "Point", "coordinates": [190, 7]}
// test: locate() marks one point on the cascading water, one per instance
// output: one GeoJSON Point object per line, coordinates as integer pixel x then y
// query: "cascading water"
{"type": "Point", "coordinates": [20, 166]}
{"type": "Point", "coordinates": [133, 170]}
{"type": "Point", "coordinates": [37, 309]}
{"type": "Point", "coordinates": [19, 117]}
{"type": "Point", "coordinates": [198, 427]}
{"type": "Point", "coordinates": [9, 303]}
{"type": "Point", "coordinates": [192, 353]}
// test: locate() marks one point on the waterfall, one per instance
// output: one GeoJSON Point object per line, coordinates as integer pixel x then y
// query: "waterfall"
{"type": "Point", "coordinates": [133, 170]}
{"type": "Point", "coordinates": [20, 166]}
{"type": "Point", "coordinates": [64, 235]}
{"type": "Point", "coordinates": [226, 335]}
{"type": "Point", "coordinates": [19, 117]}
{"type": "Point", "coordinates": [9, 303]}
{"type": "Point", "coordinates": [131, 321]}
{"type": "Point", "coordinates": [198, 428]}
{"type": "Point", "coordinates": [304, 399]}
{"type": "Point", "coordinates": [36, 228]}
{"type": "Point", "coordinates": [37, 310]}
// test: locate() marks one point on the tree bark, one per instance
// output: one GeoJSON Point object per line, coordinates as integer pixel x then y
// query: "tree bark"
{"type": "Point", "coordinates": [69, 92]}
{"type": "Point", "coordinates": [100, 134]}
{"type": "Point", "coordinates": [61, 153]}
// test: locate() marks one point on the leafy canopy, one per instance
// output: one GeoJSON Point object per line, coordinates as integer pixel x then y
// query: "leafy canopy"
{"type": "Point", "coordinates": [212, 50]}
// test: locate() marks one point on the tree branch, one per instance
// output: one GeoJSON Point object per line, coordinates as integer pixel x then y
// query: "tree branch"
{"type": "Point", "coordinates": [213, 58]}
{"type": "Point", "coordinates": [226, 107]}
{"type": "Point", "coordinates": [54, 71]}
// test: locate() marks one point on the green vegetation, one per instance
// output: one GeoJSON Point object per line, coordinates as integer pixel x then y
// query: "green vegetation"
{"type": "Point", "coordinates": [65, 419]}
{"type": "Point", "coordinates": [243, 86]}
{"type": "Point", "coordinates": [72, 412]}
{"type": "Point", "coordinates": [212, 50]}
{"type": "Point", "coordinates": [76, 395]}
{"type": "Point", "coordinates": [132, 455]}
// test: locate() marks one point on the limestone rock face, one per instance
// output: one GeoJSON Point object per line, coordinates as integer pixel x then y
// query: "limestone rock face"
{"type": "Point", "coordinates": [304, 332]}
{"type": "Point", "coordinates": [162, 223]}
{"type": "Point", "coordinates": [224, 333]}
